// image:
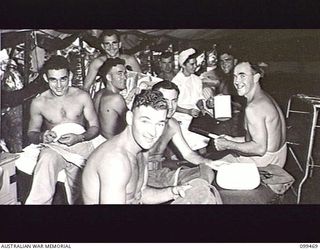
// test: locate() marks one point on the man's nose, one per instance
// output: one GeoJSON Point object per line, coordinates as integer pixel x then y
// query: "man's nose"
{"type": "Point", "coordinates": [152, 131]}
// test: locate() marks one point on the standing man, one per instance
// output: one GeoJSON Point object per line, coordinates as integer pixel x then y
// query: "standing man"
{"type": "Point", "coordinates": [111, 45]}
{"type": "Point", "coordinates": [116, 172]}
{"type": "Point", "coordinates": [265, 140]}
{"type": "Point", "coordinates": [166, 66]}
{"type": "Point", "coordinates": [59, 105]}
{"type": "Point", "coordinates": [109, 103]}
{"type": "Point", "coordinates": [159, 174]}
{"type": "Point", "coordinates": [190, 87]}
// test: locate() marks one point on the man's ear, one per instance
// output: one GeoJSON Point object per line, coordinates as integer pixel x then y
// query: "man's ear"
{"type": "Point", "coordinates": [70, 77]}
{"type": "Point", "coordinates": [235, 61]}
{"type": "Point", "coordinates": [108, 77]}
{"type": "Point", "coordinates": [120, 44]}
{"type": "Point", "coordinates": [103, 46]}
{"type": "Point", "coordinates": [45, 77]}
{"type": "Point", "coordinates": [256, 77]}
{"type": "Point", "coordinates": [129, 117]}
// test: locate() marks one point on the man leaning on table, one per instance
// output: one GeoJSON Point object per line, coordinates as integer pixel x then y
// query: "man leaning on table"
{"type": "Point", "coordinates": [265, 139]}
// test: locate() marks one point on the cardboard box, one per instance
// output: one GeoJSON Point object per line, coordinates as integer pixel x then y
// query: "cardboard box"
{"type": "Point", "coordinates": [8, 190]}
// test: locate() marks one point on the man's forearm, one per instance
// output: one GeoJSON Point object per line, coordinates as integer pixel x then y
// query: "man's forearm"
{"type": "Point", "coordinates": [246, 148]}
{"type": "Point", "coordinates": [91, 133]}
{"type": "Point", "coordinates": [155, 196]}
{"type": "Point", "coordinates": [237, 139]}
{"type": "Point", "coordinates": [183, 110]}
{"type": "Point", "coordinates": [195, 158]}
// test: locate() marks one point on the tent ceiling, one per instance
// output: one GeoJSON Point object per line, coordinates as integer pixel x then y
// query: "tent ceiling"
{"type": "Point", "coordinates": [284, 42]}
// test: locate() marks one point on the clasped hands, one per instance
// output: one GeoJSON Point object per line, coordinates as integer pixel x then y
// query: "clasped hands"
{"type": "Point", "coordinates": [69, 139]}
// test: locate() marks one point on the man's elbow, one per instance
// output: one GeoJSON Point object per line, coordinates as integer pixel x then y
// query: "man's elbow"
{"type": "Point", "coordinates": [261, 150]}
{"type": "Point", "coordinates": [107, 135]}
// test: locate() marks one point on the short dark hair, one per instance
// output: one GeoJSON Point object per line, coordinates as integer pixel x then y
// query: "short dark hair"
{"type": "Point", "coordinates": [56, 62]}
{"type": "Point", "coordinates": [255, 67]}
{"type": "Point", "coordinates": [108, 64]}
{"type": "Point", "coordinates": [226, 49]}
{"type": "Point", "coordinates": [109, 33]}
{"type": "Point", "coordinates": [166, 54]}
{"type": "Point", "coordinates": [165, 84]}
{"type": "Point", "coordinates": [152, 98]}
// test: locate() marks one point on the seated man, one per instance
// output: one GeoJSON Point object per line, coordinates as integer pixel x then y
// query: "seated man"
{"type": "Point", "coordinates": [116, 172]}
{"type": "Point", "coordinates": [109, 104]}
{"type": "Point", "coordinates": [59, 105]}
{"type": "Point", "coordinates": [164, 176]}
{"type": "Point", "coordinates": [110, 43]}
{"type": "Point", "coordinates": [265, 140]}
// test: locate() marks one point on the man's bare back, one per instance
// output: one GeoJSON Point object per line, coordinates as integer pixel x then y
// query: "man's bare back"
{"type": "Point", "coordinates": [265, 108]}
{"type": "Point", "coordinates": [113, 157]}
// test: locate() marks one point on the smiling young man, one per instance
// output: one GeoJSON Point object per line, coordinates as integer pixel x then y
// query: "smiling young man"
{"type": "Point", "coordinates": [265, 140]}
{"type": "Point", "coordinates": [159, 174]}
{"type": "Point", "coordinates": [60, 104]}
{"type": "Point", "coordinates": [109, 103]}
{"type": "Point", "coordinates": [111, 45]}
{"type": "Point", "coordinates": [116, 172]}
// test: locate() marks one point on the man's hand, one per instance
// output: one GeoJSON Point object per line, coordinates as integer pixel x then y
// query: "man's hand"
{"type": "Point", "coordinates": [70, 139]}
{"type": "Point", "coordinates": [179, 191]}
{"type": "Point", "coordinates": [49, 136]}
{"type": "Point", "coordinates": [222, 143]}
{"type": "Point", "coordinates": [194, 112]}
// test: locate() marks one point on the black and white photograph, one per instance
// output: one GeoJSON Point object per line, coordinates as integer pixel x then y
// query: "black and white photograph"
{"type": "Point", "coordinates": [159, 116]}
{"type": "Point", "coordinates": [217, 117]}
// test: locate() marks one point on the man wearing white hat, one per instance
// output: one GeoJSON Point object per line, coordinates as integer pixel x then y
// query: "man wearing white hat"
{"type": "Point", "coordinates": [190, 86]}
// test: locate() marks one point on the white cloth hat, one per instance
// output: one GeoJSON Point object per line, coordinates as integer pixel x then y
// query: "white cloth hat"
{"type": "Point", "coordinates": [183, 56]}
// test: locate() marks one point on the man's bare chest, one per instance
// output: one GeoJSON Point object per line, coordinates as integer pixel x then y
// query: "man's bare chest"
{"type": "Point", "coordinates": [66, 111]}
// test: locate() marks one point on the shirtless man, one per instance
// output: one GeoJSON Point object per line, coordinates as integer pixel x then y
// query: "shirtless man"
{"type": "Point", "coordinates": [111, 44]}
{"type": "Point", "coordinates": [116, 172]}
{"type": "Point", "coordinates": [164, 176]}
{"type": "Point", "coordinates": [227, 62]}
{"type": "Point", "coordinates": [109, 104]}
{"type": "Point", "coordinates": [59, 104]}
{"type": "Point", "coordinates": [265, 140]}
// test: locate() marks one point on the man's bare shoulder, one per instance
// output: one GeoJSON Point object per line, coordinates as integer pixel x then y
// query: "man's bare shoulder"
{"type": "Point", "coordinates": [112, 99]}
{"type": "Point", "coordinates": [126, 57]}
{"type": "Point", "coordinates": [109, 153]}
{"type": "Point", "coordinates": [173, 125]}
{"type": "Point", "coordinates": [263, 106]}
{"type": "Point", "coordinates": [78, 93]}
{"type": "Point", "coordinates": [41, 98]}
